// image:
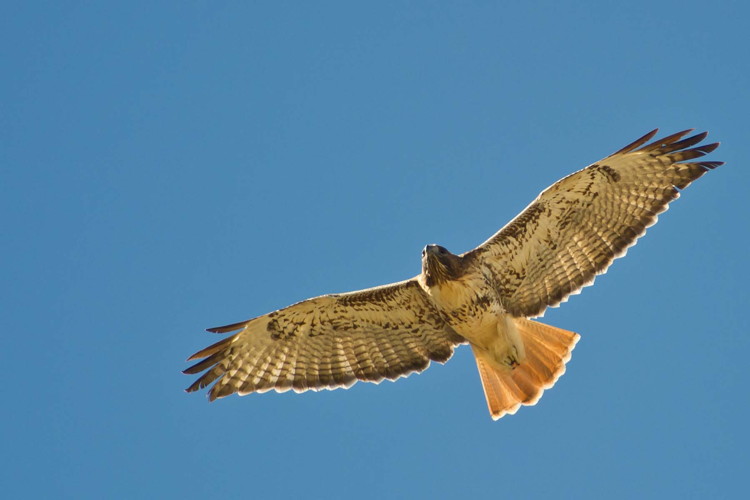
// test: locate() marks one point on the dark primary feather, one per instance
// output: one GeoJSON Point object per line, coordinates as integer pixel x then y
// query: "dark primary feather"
{"type": "Point", "coordinates": [638, 142]}
{"type": "Point", "coordinates": [228, 328]}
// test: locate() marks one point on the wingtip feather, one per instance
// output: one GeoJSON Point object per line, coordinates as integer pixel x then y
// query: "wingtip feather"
{"type": "Point", "coordinates": [213, 348]}
{"type": "Point", "coordinates": [228, 328]}
{"type": "Point", "coordinates": [638, 142]}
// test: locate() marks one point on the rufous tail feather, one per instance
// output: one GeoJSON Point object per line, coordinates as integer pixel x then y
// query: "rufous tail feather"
{"type": "Point", "coordinates": [547, 349]}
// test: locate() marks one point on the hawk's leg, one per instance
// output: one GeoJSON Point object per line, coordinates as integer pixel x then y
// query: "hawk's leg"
{"type": "Point", "coordinates": [507, 348]}
{"type": "Point", "coordinates": [511, 360]}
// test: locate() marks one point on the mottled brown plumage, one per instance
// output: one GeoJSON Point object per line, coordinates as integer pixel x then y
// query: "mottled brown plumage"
{"type": "Point", "coordinates": [557, 245]}
{"type": "Point", "coordinates": [328, 342]}
{"type": "Point", "coordinates": [579, 225]}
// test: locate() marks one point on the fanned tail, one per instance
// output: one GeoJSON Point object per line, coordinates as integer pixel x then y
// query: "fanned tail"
{"type": "Point", "coordinates": [547, 349]}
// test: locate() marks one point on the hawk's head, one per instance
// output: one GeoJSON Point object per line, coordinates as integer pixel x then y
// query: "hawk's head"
{"type": "Point", "coordinates": [439, 265]}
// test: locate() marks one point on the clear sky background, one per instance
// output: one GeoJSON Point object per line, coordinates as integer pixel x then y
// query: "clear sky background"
{"type": "Point", "coordinates": [172, 166]}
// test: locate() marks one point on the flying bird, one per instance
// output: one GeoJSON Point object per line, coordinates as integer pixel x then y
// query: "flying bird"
{"type": "Point", "coordinates": [485, 297]}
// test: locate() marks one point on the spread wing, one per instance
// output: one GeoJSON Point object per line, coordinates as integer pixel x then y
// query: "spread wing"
{"type": "Point", "coordinates": [579, 225]}
{"type": "Point", "coordinates": [328, 342]}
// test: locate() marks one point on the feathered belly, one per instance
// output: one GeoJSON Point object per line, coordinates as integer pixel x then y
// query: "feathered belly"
{"type": "Point", "coordinates": [471, 308]}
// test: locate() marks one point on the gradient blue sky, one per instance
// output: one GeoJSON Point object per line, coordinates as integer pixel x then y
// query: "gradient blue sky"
{"type": "Point", "coordinates": [172, 166]}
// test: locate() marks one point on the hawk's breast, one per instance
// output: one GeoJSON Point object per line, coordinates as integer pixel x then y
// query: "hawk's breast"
{"type": "Point", "coordinates": [468, 304]}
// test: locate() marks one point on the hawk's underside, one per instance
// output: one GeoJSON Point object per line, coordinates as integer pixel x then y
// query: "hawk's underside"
{"type": "Point", "coordinates": [570, 233]}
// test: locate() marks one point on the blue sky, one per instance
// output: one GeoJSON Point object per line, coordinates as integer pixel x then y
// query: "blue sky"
{"type": "Point", "coordinates": [168, 168]}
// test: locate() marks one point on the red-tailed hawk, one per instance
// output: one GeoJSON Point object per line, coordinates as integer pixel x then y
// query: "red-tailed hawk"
{"type": "Point", "coordinates": [570, 233]}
